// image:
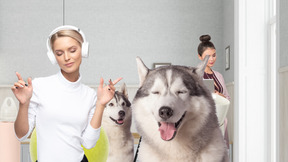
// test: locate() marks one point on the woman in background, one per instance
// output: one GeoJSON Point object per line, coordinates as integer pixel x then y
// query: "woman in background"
{"type": "Point", "coordinates": [206, 47]}
{"type": "Point", "coordinates": [65, 112]}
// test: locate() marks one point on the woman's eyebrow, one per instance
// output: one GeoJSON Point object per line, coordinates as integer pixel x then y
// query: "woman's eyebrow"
{"type": "Point", "coordinates": [58, 51]}
{"type": "Point", "coordinates": [72, 47]}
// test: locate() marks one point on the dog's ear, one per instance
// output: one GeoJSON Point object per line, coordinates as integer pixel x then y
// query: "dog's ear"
{"type": "Point", "coordinates": [201, 67]}
{"type": "Point", "coordinates": [123, 89]}
{"type": "Point", "coordinates": [142, 70]}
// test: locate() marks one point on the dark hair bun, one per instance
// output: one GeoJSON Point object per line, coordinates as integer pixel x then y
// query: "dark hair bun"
{"type": "Point", "coordinates": [205, 38]}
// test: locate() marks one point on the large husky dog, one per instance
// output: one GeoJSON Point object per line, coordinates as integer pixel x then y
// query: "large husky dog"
{"type": "Point", "coordinates": [176, 116]}
{"type": "Point", "coordinates": [117, 118]}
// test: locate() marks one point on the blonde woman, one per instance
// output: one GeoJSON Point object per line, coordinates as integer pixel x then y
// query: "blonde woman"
{"type": "Point", "coordinates": [65, 112]}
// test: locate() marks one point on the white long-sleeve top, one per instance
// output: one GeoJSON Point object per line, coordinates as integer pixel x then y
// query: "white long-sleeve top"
{"type": "Point", "coordinates": [61, 111]}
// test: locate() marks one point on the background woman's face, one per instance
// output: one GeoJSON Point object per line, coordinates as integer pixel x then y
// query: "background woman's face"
{"type": "Point", "coordinates": [212, 59]}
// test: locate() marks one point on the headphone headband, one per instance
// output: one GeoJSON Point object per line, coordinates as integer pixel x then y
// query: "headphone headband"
{"type": "Point", "coordinates": [85, 44]}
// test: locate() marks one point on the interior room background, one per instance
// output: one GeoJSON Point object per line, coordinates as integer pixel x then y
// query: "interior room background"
{"type": "Point", "coordinates": [118, 31]}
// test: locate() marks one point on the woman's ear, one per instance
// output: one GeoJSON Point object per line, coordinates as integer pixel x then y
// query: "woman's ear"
{"type": "Point", "coordinates": [200, 57]}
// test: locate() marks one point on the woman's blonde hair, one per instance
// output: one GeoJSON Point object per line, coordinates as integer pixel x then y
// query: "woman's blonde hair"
{"type": "Point", "coordinates": [66, 33]}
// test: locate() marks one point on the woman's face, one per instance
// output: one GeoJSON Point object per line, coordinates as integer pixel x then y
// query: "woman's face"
{"type": "Point", "coordinates": [68, 54]}
{"type": "Point", "coordinates": [210, 52]}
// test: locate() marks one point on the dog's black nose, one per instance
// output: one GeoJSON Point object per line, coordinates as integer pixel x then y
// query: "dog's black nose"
{"type": "Point", "coordinates": [121, 113]}
{"type": "Point", "coordinates": [165, 112]}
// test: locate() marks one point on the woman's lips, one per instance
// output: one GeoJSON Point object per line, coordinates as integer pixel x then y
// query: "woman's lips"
{"type": "Point", "coordinates": [69, 64]}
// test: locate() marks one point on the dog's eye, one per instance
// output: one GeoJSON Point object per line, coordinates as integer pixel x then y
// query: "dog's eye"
{"type": "Point", "coordinates": [155, 92]}
{"type": "Point", "coordinates": [111, 104]}
{"type": "Point", "coordinates": [181, 92]}
{"type": "Point", "coordinates": [123, 104]}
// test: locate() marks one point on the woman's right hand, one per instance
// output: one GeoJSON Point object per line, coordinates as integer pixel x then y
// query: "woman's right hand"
{"type": "Point", "coordinates": [22, 91]}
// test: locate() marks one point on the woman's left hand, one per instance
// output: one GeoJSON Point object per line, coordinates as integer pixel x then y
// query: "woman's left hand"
{"type": "Point", "coordinates": [106, 93]}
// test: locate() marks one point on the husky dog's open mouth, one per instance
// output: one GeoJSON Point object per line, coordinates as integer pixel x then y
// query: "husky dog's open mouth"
{"type": "Point", "coordinates": [168, 130]}
{"type": "Point", "coordinates": [119, 121]}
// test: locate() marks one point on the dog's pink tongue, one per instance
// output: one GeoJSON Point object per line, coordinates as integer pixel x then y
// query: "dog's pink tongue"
{"type": "Point", "coordinates": [120, 121]}
{"type": "Point", "coordinates": [167, 131]}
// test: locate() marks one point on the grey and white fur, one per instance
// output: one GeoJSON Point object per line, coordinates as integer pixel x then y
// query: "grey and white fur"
{"type": "Point", "coordinates": [117, 118]}
{"type": "Point", "coordinates": [176, 116]}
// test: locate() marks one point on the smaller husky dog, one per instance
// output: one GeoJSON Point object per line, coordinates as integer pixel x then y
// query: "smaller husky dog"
{"type": "Point", "coordinates": [175, 114]}
{"type": "Point", "coordinates": [117, 122]}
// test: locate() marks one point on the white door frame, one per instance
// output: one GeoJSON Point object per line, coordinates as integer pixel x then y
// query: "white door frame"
{"type": "Point", "coordinates": [251, 137]}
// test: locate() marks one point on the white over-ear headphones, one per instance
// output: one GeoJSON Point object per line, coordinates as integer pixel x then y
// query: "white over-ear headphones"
{"type": "Point", "coordinates": [85, 44]}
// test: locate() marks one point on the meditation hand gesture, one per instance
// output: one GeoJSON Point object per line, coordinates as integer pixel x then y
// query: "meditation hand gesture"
{"type": "Point", "coordinates": [22, 91]}
{"type": "Point", "coordinates": [106, 93]}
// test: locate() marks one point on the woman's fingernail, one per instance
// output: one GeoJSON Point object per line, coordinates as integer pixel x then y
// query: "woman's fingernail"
{"type": "Point", "coordinates": [26, 84]}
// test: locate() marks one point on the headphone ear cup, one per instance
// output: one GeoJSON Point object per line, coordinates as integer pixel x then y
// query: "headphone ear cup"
{"type": "Point", "coordinates": [85, 49]}
{"type": "Point", "coordinates": [51, 57]}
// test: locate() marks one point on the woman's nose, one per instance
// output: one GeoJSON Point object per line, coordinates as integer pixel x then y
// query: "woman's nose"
{"type": "Point", "coordinates": [66, 56]}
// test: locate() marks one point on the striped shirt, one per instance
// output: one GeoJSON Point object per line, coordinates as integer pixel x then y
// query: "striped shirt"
{"type": "Point", "coordinates": [217, 85]}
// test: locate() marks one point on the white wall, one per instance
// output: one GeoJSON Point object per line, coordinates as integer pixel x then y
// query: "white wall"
{"type": "Point", "coordinates": [118, 31]}
{"type": "Point", "coordinates": [283, 115]}
{"type": "Point", "coordinates": [283, 26]}
{"type": "Point", "coordinates": [230, 114]}
{"type": "Point", "coordinates": [251, 97]}
{"type": "Point", "coordinates": [24, 28]}
{"type": "Point", "coordinates": [283, 79]}
{"type": "Point", "coordinates": [228, 39]}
